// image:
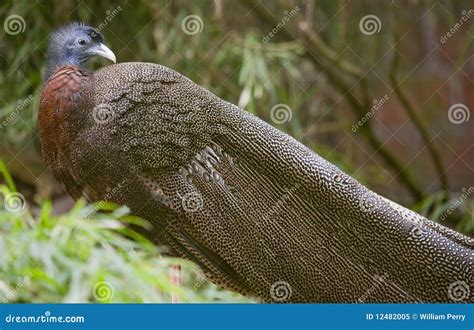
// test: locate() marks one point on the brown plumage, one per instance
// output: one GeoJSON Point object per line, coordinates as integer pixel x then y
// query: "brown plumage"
{"type": "Point", "coordinates": [258, 211]}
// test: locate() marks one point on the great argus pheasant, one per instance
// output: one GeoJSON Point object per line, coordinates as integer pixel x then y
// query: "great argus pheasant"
{"type": "Point", "coordinates": [259, 212]}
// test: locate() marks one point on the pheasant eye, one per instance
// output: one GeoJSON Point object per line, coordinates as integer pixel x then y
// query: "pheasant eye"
{"type": "Point", "coordinates": [81, 42]}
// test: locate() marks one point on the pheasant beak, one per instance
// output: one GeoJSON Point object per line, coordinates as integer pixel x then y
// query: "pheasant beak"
{"type": "Point", "coordinates": [104, 51]}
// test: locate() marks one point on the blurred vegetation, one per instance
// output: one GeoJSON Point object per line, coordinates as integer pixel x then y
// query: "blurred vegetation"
{"type": "Point", "coordinates": [319, 64]}
{"type": "Point", "coordinates": [88, 255]}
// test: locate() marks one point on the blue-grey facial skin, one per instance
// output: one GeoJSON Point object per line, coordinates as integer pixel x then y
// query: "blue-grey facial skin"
{"type": "Point", "coordinates": [75, 44]}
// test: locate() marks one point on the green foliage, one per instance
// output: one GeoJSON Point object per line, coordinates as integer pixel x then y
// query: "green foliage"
{"type": "Point", "coordinates": [88, 255]}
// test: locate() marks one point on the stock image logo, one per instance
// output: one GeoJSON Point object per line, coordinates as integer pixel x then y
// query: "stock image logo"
{"type": "Point", "coordinates": [305, 155]}
{"type": "Point", "coordinates": [368, 203]}
{"type": "Point", "coordinates": [370, 24]}
{"type": "Point", "coordinates": [14, 24]}
{"type": "Point", "coordinates": [281, 291]}
{"type": "Point", "coordinates": [14, 202]}
{"type": "Point", "coordinates": [192, 24]}
{"type": "Point", "coordinates": [459, 113]}
{"type": "Point", "coordinates": [281, 113]}
{"type": "Point", "coordinates": [103, 291]}
{"type": "Point", "coordinates": [459, 291]}
{"type": "Point", "coordinates": [103, 113]}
